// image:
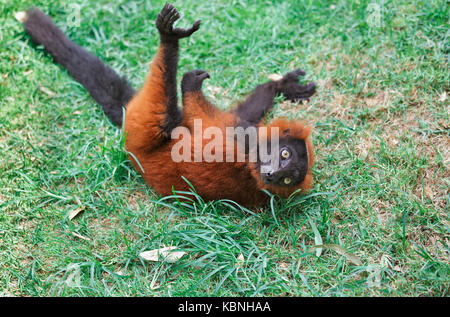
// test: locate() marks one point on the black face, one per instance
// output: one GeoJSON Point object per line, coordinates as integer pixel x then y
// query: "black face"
{"type": "Point", "coordinates": [292, 157]}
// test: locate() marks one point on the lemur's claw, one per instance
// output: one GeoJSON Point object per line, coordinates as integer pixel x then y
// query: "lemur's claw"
{"type": "Point", "coordinates": [165, 20]}
{"type": "Point", "coordinates": [193, 80]}
{"type": "Point", "coordinates": [292, 90]}
{"type": "Point", "coordinates": [294, 75]}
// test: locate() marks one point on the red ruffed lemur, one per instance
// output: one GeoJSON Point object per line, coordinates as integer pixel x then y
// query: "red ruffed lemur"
{"type": "Point", "coordinates": [152, 114]}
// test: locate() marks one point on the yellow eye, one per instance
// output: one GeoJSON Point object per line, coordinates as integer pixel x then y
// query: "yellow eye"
{"type": "Point", "coordinates": [287, 180]}
{"type": "Point", "coordinates": [285, 154]}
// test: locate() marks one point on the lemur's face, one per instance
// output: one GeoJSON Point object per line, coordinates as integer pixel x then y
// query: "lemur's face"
{"type": "Point", "coordinates": [288, 163]}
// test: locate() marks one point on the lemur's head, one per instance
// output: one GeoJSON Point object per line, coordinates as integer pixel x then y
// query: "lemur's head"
{"type": "Point", "coordinates": [287, 165]}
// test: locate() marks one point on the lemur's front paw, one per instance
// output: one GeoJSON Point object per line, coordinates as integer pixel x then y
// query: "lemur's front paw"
{"type": "Point", "coordinates": [165, 20]}
{"type": "Point", "coordinates": [193, 80]}
{"type": "Point", "coordinates": [292, 90]}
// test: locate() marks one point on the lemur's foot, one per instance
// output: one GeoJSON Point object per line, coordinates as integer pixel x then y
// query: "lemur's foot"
{"type": "Point", "coordinates": [292, 90]}
{"type": "Point", "coordinates": [165, 20]}
{"type": "Point", "coordinates": [193, 80]}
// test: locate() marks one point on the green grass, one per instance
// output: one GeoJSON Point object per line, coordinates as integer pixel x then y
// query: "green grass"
{"type": "Point", "coordinates": [381, 134]}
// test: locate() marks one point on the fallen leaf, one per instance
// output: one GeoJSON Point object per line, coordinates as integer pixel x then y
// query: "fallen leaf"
{"type": "Point", "coordinates": [75, 212]}
{"type": "Point", "coordinates": [342, 251]}
{"type": "Point", "coordinates": [398, 268]}
{"type": "Point", "coordinates": [120, 273]}
{"type": "Point", "coordinates": [20, 16]}
{"type": "Point", "coordinates": [283, 265]}
{"type": "Point", "coordinates": [47, 91]}
{"type": "Point", "coordinates": [163, 254]}
{"type": "Point", "coordinates": [215, 90]}
{"type": "Point", "coordinates": [274, 77]}
{"type": "Point", "coordinates": [240, 261]}
{"type": "Point", "coordinates": [80, 236]}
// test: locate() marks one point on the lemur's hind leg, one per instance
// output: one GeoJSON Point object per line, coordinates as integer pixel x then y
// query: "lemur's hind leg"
{"type": "Point", "coordinates": [153, 112]}
{"type": "Point", "coordinates": [253, 109]}
{"type": "Point", "coordinates": [193, 81]}
{"type": "Point", "coordinates": [194, 102]}
{"type": "Point", "coordinates": [292, 90]}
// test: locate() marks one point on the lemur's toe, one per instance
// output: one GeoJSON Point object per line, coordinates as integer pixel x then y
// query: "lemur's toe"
{"type": "Point", "coordinates": [201, 74]}
{"type": "Point", "coordinates": [166, 18]}
{"type": "Point", "coordinates": [193, 80]}
{"type": "Point", "coordinates": [293, 76]}
{"type": "Point", "coordinates": [296, 92]}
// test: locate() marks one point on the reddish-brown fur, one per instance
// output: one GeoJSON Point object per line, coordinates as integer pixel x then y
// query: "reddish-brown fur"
{"type": "Point", "coordinates": [147, 125]}
{"type": "Point", "coordinates": [238, 181]}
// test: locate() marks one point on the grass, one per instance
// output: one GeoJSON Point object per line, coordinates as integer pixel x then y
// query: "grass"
{"type": "Point", "coordinates": [381, 134]}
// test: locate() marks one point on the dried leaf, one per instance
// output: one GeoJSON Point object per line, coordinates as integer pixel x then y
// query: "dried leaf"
{"type": "Point", "coordinates": [20, 16]}
{"type": "Point", "coordinates": [240, 261]}
{"type": "Point", "coordinates": [80, 236]}
{"type": "Point", "coordinates": [75, 212]}
{"type": "Point", "coordinates": [47, 91]}
{"type": "Point", "coordinates": [283, 265]}
{"type": "Point", "coordinates": [167, 254]}
{"type": "Point", "coordinates": [398, 268]}
{"type": "Point", "coordinates": [274, 77]}
{"type": "Point", "coordinates": [215, 90]}
{"type": "Point", "coordinates": [342, 251]}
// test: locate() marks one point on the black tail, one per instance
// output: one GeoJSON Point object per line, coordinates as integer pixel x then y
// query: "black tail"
{"type": "Point", "coordinates": [107, 88]}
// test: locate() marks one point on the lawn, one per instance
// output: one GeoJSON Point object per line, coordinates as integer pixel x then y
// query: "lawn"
{"type": "Point", "coordinates": [381, 199]}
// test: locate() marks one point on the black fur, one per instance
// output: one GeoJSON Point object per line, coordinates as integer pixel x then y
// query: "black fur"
{"type": "Point", "coordinates": [104, 85]}
{"type": "Point", "coordinates": [252, 110]}
{"type": "Point", "coordinates": [170, 37]}
{"type": "Point", "coordinates": [193, 80]}
{"type": "Point", "coordinates": [174, 116]}
{"type": "Point", "coordinates": [296, 167]}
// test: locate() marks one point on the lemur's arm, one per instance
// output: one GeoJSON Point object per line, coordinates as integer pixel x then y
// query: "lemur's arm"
{"type": "Point", "coordinates": [153, 113]}
{"type": "Point", "coordinates": [253, 109]}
